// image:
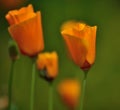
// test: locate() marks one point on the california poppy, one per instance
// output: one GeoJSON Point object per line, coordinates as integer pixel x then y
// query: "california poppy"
{"type": "Point", "coordinates": [26, 29]}
{"type": "Point", "coordinates": [70, 90]}
{"type": "Point", "coordinates": [80, 40]}
{"type": "Point", "coordinates": [48, 62]}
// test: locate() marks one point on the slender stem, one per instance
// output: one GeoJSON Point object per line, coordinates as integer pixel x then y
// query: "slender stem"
{"type": "Point", "coordinates": [32, 88]}
{"type": "Point", "coordinates": [10, 85]}
{"type": "Point", "coordinates": [83, 91]}
{"type": "Point", "coordinates": [50, 97]}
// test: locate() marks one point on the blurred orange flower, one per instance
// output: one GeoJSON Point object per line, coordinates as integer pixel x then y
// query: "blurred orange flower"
{"type": "Point", "coordinates": [10, 4]}
{"type": "Point", "coordinates": [80, 40]}
{"type": "Point", "coordinates": [70, 90]}
{"type": "Point", "coordinates": [49, 62]}
{"type": "Point", "coordinates": [26, 29]}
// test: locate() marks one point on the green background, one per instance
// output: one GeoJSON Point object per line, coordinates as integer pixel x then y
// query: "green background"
{"type": "Point", "coordinates": [103, 81]}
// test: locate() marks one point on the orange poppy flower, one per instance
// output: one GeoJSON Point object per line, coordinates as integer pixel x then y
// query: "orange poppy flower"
{"type": "Point", "coordinates": [69, 91]}
{"type": "Point", "coordinates": [26, 29]}
{"type": "Point", "coordinates": [80, 40]}
{"type": "Point", "coordinates": [49, 63]}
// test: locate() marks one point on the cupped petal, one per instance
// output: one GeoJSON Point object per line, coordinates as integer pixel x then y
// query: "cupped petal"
{"type": "Point", "coordinates": [23, 17]}
{"type": "Point", "coordinates": [17, 16]}
{"type": "Point", "coordinates": [24, 13]}
{"type": "Point", "coordinates": [77, 48]}
{"type": "Point", "coordinates": [28, 35]}
{"type": "Point", "coordinates": [73, 28]}
{"type": "Point", "coordinates": [28, 9]}
{"type": "Point", "coordinates": [11, 20]}
{"type": "Point", "coordinates": [91, 37]}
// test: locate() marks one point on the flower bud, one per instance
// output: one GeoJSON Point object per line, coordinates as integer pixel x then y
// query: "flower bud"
{"type": "Point", "coordinates": [13, 50]}
{"type": "Point", "coordinates": [47, 64]}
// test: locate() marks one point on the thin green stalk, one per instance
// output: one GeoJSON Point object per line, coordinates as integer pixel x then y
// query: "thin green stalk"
{"type": "Point", "coordinates": [50, 97]}
{"type": "Point", "coordinates": [32, 88]}
{"type": "Point", "coordinates": [10, 85]}
{"type": "Point", "coordinates": [83, 91]}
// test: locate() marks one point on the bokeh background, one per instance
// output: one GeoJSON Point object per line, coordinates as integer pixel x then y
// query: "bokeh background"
{"type": "Point", "coordinates": [103, 82]}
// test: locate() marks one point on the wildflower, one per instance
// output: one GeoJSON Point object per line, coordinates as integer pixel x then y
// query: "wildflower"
{"type": "Point", "coordinates": [80, 40]}
{"type": "Point", "coordinates": [26, 29]}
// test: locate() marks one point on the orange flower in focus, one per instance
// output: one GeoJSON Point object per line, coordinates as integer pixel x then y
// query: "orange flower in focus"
{"type": "Point", "coordinates": [26, 29]}
{"type": "Point", "coordinates": [69, 91]}
{"type": "Point", "coordinates": [49, 63]}
{"type": "Point", "coordinates": [80, 40]}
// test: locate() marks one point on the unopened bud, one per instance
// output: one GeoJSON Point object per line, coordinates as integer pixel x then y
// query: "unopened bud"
{"type": "Point", "coordinates": [13, 50]}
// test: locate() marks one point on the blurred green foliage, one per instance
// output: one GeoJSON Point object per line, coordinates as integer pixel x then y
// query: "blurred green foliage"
{"type": "Point", "coordinates": [103, 90]}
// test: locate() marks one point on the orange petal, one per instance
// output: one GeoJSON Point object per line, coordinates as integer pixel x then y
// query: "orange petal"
{"type": "Point", "coordinates": [24, 14]}
{"type": "Point", "coordinates": [11, 18]}
{"type": "Point", "coordinates": [17, 16]}
{"type": "Point", "coordinates": [41, 62]}
{"type": "Point", "coordinates": [73, 29]}
{"type": "Point", "coordinates": [28, 35]}
{"type": "Point", "coordinates": [92, 45]}
{"type": "Point", "coordinates": [28, 9]}
{"type": "Point", "coordinates": [77, 48]}
{"type": "Point", "coordinates": [52, 65]}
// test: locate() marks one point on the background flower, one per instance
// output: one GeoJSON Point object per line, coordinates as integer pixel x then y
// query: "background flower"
{"type": "Point", "coordinates": [69, 91]}
{"type": "Point", "coordinates": [10, 4]}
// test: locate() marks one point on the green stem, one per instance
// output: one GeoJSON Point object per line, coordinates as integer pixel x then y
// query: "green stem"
{"type": "Point", "coordinates": [83, 91]}
{"type": "Point", "coordinates": [50, 97]}
{"type": "Point", "coordinates": [10, 85]}
{"type": "Point", "coordinates": [32, 88]}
